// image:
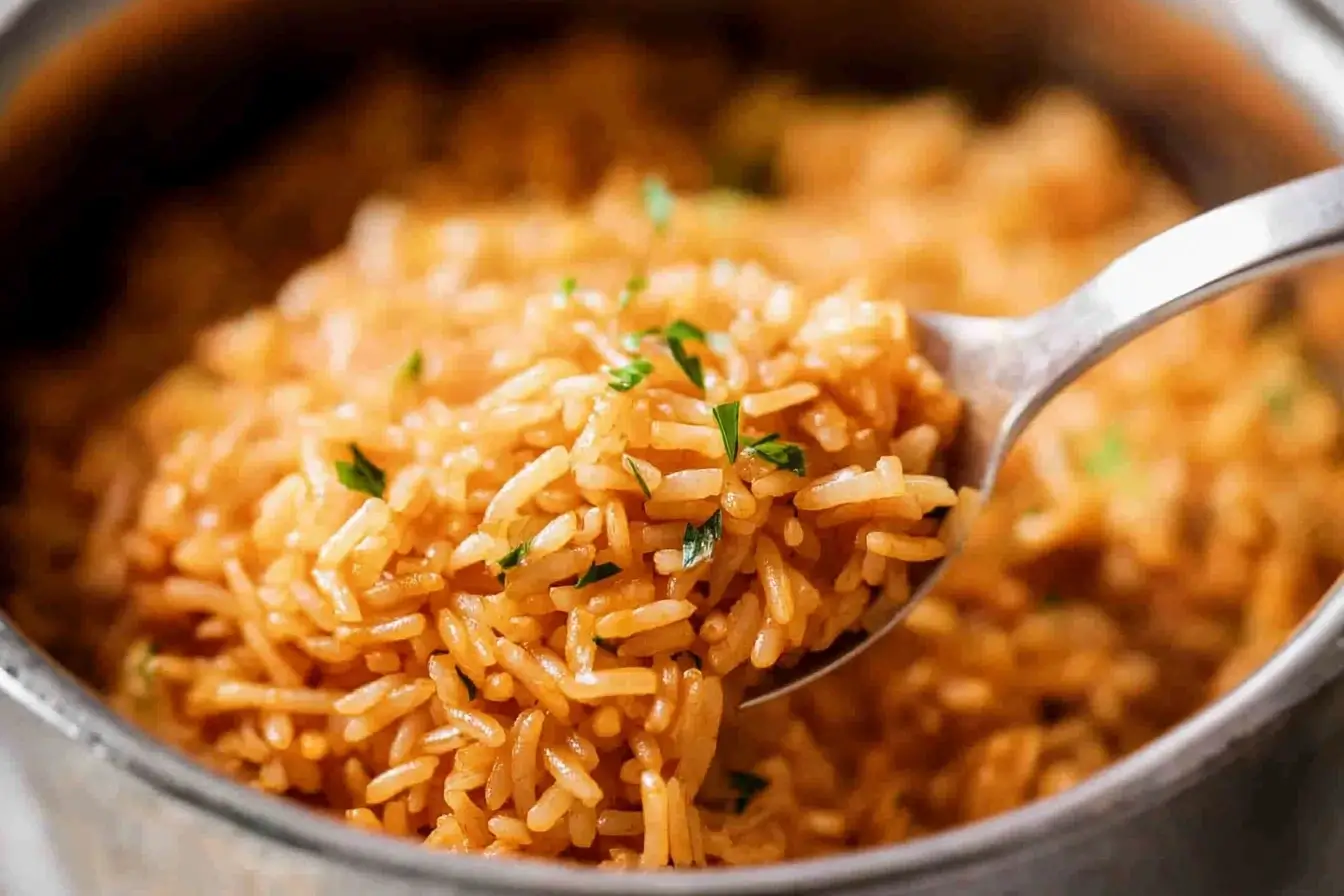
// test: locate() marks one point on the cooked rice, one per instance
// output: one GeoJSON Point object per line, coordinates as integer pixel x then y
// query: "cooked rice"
{"type": "Point", "coordinates": [1160, 531]}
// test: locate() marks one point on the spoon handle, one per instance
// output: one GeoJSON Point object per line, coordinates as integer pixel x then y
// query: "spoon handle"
{"type": "Point", "coordinates": [1281, 228]}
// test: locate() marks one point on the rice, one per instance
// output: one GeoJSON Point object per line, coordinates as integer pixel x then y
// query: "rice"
{"type": "Point", "coordinates": [496, 632]}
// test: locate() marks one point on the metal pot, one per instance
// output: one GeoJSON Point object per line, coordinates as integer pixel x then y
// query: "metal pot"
{"type": "Point", "coordinates": [1232, 97]}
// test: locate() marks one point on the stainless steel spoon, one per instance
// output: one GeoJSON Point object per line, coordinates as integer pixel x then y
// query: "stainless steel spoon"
{"type": "Point", "coordinates": [1007, 368]}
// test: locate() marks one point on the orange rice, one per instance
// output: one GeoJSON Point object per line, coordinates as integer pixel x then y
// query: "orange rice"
{"type": "Point", "coordinates": [394, 546]}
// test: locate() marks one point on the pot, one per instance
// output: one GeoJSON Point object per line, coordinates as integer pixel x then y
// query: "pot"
{"type": "Point", "coordinates": [1242, 798]}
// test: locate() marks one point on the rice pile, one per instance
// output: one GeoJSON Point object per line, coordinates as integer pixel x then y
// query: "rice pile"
{"type": "Point", "coordinates": [474, 534]}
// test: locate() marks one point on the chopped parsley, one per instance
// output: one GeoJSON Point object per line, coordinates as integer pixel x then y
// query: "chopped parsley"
{"type": "Point", "coordinates": [468, 683]}
{"type": "Point", "coordinates": [1280, 401]}
{"type": "Point", "coordinates": [697, 543]}
{"type": "Point", "coordinates": [747, 785]}
{"type": "Point", "coordinates": [785, 455]}
{"type": "Point", "coordinates": [1051, 599]}
{"type": "Point", "coordinates": [413, 367]}
{"type": "Point", "coordinates": [678, 329]}
{"type": "Point", "coordinates": [359, 474]}
{"type": "Point", "coordinates": [596, 573]}
{"type": "Point", "coordinates": [513, 558]}
{"type": "Point", "coordinates": [623, 379]}
{"type": "Point", "coordinates": [1111, 455]}
{"type": "Point", "coordinates": [689, 364]}
{"type": "Point", "coordinates": [685, 331]}
{"type": "Point", "coordinates": [726, 415]}
{"type": "Point", "coordinates": [568, 285]}
{"type": "Point", "coordinates": [633, 287]}
{"type": "Point", "coordinates": [634, 471]}
{"type": "Point", "coordinates": [658, 203]}
{"type": "Point", "coordinates": [604, 644]}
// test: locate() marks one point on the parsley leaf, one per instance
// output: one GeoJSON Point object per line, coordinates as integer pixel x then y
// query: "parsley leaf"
{"type": "Point", "coordinates": [470, 685]}
{"type": "Point", "coordinates": [785, 455]}
{"type": "Point", "coordinates": [514, 557]}
{"type": "Point", "coordinates": [726, 415]}
{"type": "Point", "coordinates": [596, 573]}
{"type": "Point", "coordinates": [360, 475]}
{"type": "Point", "coordinates": [1111, 455]}
{"type": "Point", "coordinates": [747, 786]}
{"type": "Point", "coordinates": [623, 379]}
{"type": "Point", "coordinates": [689, 364]}
{"type": "Point", "coordinates": [685, 331]}
{"type": "Point", "coordinates": [633, 287]}
{"type": "Point", "coordinates": [634, 471]}
{"type": "Point", "coordinates": [658, 203]}
{"type": "Point", "coordinates": [697, 542]}
{"type": "Point", "coordinates": [568, 285]}
{"type": "Point", "coordinates": [413, 367]}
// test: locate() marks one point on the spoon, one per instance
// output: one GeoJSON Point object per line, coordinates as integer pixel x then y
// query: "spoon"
{"type": "Point", "coordinates": [1007, 368]}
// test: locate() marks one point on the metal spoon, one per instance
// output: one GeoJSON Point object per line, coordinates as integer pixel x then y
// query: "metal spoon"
{"type": "Point", "coordinates": [1007, 368]}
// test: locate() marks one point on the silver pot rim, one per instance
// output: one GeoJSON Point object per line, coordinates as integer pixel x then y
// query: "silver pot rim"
{"type": "Point", "coordinates": [1149, 777]}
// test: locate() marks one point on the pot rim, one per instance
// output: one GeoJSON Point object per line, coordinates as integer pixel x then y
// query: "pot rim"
{"type": "Point", "coordinates": [1146, 778]}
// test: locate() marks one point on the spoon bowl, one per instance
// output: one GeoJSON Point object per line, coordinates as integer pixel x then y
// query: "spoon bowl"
{"type": "Point", "coordinates": [1007, 368]}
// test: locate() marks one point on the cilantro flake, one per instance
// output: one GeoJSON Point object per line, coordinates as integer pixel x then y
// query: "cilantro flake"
{"type": "Point", "coordinates": [359, 474]}
{"type": "Point", "coordinates": [413, 367]}
{"type": "Point", "coordinates": [634, 471]}
{"type": "Point", "coordinates": [596, 573]}
{"type": "Point", "coordinates": [697, 542]}
{"type": "Point", "coordinates": [623, 379]}
{"type": "Point", "coordinates": [1280, 402]}
{"type": "Point", "coordinates": [658, 203]}
{"type": "Point", "coordinates": [633, 287]}
{"type": "Point", "coordinates": [1110, 457]}
{"type": "Point", "coordinates": [727, 416]}
{"type": "Point", "coordinates": [689, 364]}
{"type": "Point", "coordinates": [568, 285]}
{"type": "Point", "coordinates": [785, 455]}
{"type": "Point", "coordinates": [513, 557]}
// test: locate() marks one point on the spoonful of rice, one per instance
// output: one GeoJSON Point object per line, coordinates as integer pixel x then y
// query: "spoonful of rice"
{"type": "Point", "coordinates": [1007, 369]}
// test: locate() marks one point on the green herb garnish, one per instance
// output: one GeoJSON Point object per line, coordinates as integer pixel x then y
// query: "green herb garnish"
{"type": "Point", "coordinates": [1111, 455]}
{"type": "Point", "coordinates": [634, 471]}
{"type": "Point", "coordinates": [1051, 599]}
{"type": "Point", "coordinates": [689, 364]}
{"type": "Point", "coordinates": [785, 455]}
{"type": "Point", "coordinates": [658, 203]}
{"type": "Point", "coordinates": [685, 331]}
{"type": "Point", "coordinates": [726, 415]}
{"type": "Point", "coordinates": [360, 475]}
{"type": "Point", "coordinates": [623, 379]}
{"type": "Point", "coordinates": [470, 685]}
{"type": "Point", "coordinates": [633, 287]}
{"type": "Point", "coordinates": [747, 786]}
{"type": "Point", "coordinates": [568, 285]}
{"type": "Point", "coordinates": [596, 573]}
{"type": "Point", "coordinates": [413, 367]}
{"type": "Point", "coordinates": [1280, 402]}
{"type": "Point", "coordinates": [513, 557]}
{"type": "Point", "coordinates": [697, 543]}
{"type": "Point", "coordinates": [604, 644]}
